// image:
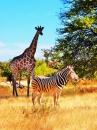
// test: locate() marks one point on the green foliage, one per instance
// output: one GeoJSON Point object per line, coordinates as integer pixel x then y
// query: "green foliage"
{"type": "Point", "coordinates": [50, 58]}
{"type": "Point", "coordinates": [95, 75]}
{"type": "Point", "coordinates": [77, 42]}
{"type": "Point", "coordinates": [5, 70]}
{"type": "Point", "coordinates": [41, 69]}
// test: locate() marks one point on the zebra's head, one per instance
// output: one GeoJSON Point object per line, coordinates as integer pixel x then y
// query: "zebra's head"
{"type": "Point", "coordinates": [72, 75]}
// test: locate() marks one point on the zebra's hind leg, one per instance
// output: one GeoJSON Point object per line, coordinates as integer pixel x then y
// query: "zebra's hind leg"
{"type": "Point", "coordinates": [40, 98]}
{"type": "Point", "coordinates": [33, 98]}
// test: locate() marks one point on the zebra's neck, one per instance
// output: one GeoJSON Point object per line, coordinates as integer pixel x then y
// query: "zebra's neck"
{"type": "Point", "coordinates": [62, 77]}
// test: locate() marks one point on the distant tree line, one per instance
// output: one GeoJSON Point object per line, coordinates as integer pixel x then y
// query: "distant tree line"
{"type": "Point", "coordinates": [41, 69]}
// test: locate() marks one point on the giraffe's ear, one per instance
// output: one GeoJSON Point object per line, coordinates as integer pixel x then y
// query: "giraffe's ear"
{"type": "Point", "coordinates": [36, 28]}
{"type": "Point", "coordinates": [42, 28]}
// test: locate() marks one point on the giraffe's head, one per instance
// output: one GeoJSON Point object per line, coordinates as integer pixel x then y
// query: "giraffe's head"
{"type": "Point", "coordinates": [39, 30]}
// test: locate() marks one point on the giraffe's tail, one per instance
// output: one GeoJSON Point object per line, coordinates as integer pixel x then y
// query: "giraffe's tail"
{"type": "Point", "coordinates": [10, 66]}
{"type": "Point", "coordinates": [33, 74]}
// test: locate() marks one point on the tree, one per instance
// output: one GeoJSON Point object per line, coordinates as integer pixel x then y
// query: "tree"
{"type": "Point", "coordinates": [5, 70]}
{"type": "Point", "coordinates": [41, 69]}
{"type": "Point", "coordinates": [77, 40]}
{"type": "Point", "coordinates": [52, 58]}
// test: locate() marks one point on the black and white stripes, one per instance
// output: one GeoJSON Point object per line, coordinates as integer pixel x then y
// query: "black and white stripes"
{"type": "Point", "coordinates": [52, 85]}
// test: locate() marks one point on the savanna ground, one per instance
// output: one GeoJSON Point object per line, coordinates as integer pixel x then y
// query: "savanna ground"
{"type": "Point", "coordinates": [77, 110]}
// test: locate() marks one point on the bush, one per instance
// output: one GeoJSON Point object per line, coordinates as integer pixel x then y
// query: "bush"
{"type": "Point", "coordinates": [6, 71]}
{"type": "Point", "coordinates": [42, 69]}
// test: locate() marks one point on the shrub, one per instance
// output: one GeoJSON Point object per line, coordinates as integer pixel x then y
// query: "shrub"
{"type": "Point", "coordinates": [42, 69]}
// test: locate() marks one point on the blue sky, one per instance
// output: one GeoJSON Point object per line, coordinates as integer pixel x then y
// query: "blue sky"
{"type": "Point", "coordinates": [18, 19]}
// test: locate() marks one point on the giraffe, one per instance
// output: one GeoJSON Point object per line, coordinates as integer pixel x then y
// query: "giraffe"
{"type": "Point", "coordinates": [25, 61]}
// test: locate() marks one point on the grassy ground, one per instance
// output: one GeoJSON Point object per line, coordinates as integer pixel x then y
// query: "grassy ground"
{"type": "Point", "coordinates": [77, 111]}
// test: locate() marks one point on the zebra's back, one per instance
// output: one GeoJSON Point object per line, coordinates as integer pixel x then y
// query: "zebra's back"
{"type": "Point", "coordinates": [44, 85]}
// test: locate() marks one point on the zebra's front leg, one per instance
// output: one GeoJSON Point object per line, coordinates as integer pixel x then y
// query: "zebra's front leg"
{"type": "Point", "coordinates": [40, 98]}
{"type": "Point", "coordinates": [55, 99]}
{"type": "Point", "coordinates": [33, 98]}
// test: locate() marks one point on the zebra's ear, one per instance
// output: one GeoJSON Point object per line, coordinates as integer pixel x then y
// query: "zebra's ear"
{"type": "Point", "coordinates": [68, 66]}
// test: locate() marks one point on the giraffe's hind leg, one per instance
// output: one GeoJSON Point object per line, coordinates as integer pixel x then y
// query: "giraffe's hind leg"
{"type": "Point", "coordinates": [14, 87]}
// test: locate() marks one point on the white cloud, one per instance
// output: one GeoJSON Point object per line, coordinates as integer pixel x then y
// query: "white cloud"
{"type": "Point", "coordinates": [39, 52]}
{"type": "Point", "coordinates": [20, 47]}
{"type": "Point", "coordinates": [2, 44]}
{"type": "Point", "coordinates": [15, 49]}
{"type": "Point", "coordinates": [9, 51]}
{"type": "Point", "coordinates": [44, 46]}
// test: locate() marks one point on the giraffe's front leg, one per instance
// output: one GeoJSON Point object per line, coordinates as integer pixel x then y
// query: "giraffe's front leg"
{"type": "Point", "coordinates": [28, 85]}
{"type": "Point", "coordinates": [30, 70]}
{"type": "Point", "coordinates": [13, 86]}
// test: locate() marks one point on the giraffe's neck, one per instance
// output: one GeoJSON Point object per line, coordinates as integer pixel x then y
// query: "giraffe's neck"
{"type": "Point", "coordinates": [33, 44]}
{"type": "Point", "coordinates": [30, 51]}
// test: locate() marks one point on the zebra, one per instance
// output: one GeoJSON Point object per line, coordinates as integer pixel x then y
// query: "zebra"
{"type": "Point", "coordinates": [52, 85]}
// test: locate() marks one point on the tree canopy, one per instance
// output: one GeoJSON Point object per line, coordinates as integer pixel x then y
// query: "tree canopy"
{"type": "Point", "coordinates": [77, 38]}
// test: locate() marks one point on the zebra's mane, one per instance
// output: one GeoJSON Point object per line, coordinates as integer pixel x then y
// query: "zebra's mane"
{"type": "Point", "coordinates": [63, 68]}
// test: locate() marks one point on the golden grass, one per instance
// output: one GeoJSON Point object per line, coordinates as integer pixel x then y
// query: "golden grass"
{"type": "Point", "coordinates": [77, 111]}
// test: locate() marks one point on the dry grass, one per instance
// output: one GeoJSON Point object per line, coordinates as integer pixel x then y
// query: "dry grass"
{"type": "Point", "coordinates": [76, 112]}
